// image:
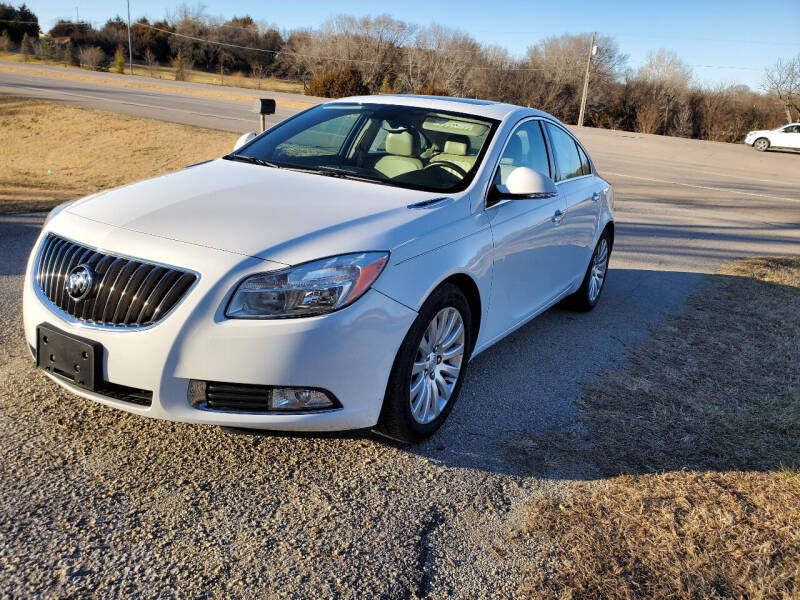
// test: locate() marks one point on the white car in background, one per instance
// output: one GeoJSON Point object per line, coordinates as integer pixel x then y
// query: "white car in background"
{"type": "Point", "coordinates": [335, 272]}
{"type": "Point", "coordinates": [785, 136]}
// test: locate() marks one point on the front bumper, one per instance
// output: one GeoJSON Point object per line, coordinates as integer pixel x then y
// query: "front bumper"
{"type": "Point", "coordinates": [349, 352]}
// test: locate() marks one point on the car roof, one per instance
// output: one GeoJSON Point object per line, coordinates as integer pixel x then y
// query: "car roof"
{"type": "Point", "coordinates": [478, 108]}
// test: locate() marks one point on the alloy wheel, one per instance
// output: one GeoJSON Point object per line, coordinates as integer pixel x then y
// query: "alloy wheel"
{"type": "Point", "coordinates": [437, 365]}
{"type": "Point", "coordinates": [599, 267]}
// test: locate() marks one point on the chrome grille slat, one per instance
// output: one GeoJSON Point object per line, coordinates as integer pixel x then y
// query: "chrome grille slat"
{"type": "Point", "coordinates": [100, 269]}
{"type": "Point", "coordinates": [49, 269]}
{"type": "Point", "coordinates": [141, 295]}
{"type": "Point", "coordinates": [115, 292]}
{"type": "Point", "coordinates": [127, 292]}
{"type": "Point", "coordinates": [66, 258]}
{"type": "Point", "coordinates": [150, 304]}
{"type": "Point", "coordinates": [104, 289]}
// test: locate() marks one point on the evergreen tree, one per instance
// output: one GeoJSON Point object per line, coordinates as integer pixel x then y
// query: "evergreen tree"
{"type": "Point", "coordinates": [119, 61]}
{"type": "Point", "coordinates": [70, 59]}
{"type": "Point", "coordinates": [27, 46]}
{"type": "Point", "coordinates": [5, 41]}
{"type": "Point", "coordinates": [47, 48]}
{"type": "Point", "coordinates": [180, 66]}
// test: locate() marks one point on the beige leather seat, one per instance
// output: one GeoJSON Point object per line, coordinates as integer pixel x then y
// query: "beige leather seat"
{"type": "Point", "coordinates": [455, 151]}
{"type": "Point", "coordinates": [400, 146]}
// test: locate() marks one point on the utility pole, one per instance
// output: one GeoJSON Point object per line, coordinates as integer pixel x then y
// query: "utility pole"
{"type": "Point", "coordinates": [592, 50]}
{"type": "Point", "coordinates": [130, 45]}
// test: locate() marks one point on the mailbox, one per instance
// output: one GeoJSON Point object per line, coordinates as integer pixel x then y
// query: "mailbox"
{"type": "Point", "coordinates": [264, 106]}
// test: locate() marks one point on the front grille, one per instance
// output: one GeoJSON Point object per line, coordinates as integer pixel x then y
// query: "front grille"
{"type": "Point", "coordinates": [125, 293]}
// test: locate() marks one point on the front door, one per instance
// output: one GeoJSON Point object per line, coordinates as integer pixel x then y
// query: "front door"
{"type": "Point", "coordinates": [528, 249]}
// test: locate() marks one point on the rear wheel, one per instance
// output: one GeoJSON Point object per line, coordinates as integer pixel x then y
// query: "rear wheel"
{"type": "Point", "coordinates": [761, 144]}
{"type": "Point", "coordinates": [429, 368]}
{"type": "Point", "coordinates": [587, 296]}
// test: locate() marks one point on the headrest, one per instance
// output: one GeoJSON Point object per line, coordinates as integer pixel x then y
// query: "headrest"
{"type": "Point", "coordinates": [454, 147]}
{"type": "Point", "coordinates": [400, 143]}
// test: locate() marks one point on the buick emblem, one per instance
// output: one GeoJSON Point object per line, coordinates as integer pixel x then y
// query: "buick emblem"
{"type": "Point", "coordinates": [79, 282]}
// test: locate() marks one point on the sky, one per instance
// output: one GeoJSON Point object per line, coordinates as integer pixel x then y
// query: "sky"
{"type": "Point", "coordinates": [722, 42]}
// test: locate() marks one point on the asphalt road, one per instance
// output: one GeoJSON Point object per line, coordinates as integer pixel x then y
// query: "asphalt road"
{"type": "Point", "coordinates": [212, 113]}
{"type": "Point", "coordinates": [94, 497]}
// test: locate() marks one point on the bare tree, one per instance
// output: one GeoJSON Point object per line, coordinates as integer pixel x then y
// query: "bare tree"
{"type": "Point", "coordinates": [782, 81]}
{"type": "Point", "coordinates": [91, 56]}
{"type": "Point", "coordinates": [258, 71]}
{"type": "Point", "coordinates": [669, 78]}
{"type": "Point", "coordinates": [150, 61]}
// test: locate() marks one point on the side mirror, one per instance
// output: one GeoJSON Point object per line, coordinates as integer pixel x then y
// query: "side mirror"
{"type": "Point", "coordinates": [243, 140]}
{"type": "Point", "coordinates": [524, 184]}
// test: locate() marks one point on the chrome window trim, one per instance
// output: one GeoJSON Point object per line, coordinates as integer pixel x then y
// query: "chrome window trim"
{"type": "Point", "coordinates": [80, 323]}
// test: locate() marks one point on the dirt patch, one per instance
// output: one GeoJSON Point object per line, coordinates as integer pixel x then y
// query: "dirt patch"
{"type": "Point", "coordinates": [53, 152]}
{"type": "Point", "coordinates": [699, 436]}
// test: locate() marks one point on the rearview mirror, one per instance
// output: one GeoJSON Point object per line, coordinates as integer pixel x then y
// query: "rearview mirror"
{"type": "Point", "coordinates": [243, 140]}
{"type": "Point", "coordinates": [524, 184]}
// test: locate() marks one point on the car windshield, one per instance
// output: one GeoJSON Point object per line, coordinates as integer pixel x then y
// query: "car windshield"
{"type": "Point", "coordinates": [402, 146]}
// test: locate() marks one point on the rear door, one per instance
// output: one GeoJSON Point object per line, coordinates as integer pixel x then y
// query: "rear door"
{"type": "Point", "coordinates": [528, 248]}
{"type": "Point", "coordinates": [577, 183]}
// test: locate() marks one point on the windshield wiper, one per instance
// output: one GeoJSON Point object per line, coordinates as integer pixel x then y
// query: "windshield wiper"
{"type": "Point", "coordinates": [250, 159]}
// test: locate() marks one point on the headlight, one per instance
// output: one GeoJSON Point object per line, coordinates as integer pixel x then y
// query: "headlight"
{"type": "Point", "coordinates": [57, 210]}
{"type": "Point", "coordinates": [309, 289]}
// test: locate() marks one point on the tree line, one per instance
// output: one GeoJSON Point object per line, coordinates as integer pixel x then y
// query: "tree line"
{"type": "Point", "coordinates": [369, 55]}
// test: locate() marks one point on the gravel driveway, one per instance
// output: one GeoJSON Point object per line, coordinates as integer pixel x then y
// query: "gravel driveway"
{"type": "Point", "coordinates": [99, 503]}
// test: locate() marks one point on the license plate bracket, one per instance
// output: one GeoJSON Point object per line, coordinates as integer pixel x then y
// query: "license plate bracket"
{"type": "Point", "coordinates": [75, 359]}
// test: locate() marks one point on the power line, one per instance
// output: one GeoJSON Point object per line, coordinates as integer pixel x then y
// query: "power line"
{"type": "Point", "coordinates": [576, 69]}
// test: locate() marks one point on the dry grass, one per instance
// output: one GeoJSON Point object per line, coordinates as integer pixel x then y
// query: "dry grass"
{"type": "Point", "coordinates": [146, 82]}
{"type": "Point", "coordinates": [54, 152]}
{"type": "Point", "coordinates": [699, 436]}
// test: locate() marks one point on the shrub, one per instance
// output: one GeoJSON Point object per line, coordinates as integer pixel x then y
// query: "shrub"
{"type": "Point", "coordinates": [338, 84]}
{"type": "Point", "coordinates": [119, 61]}
{"type": "Point", "coordinates": [92, 57]}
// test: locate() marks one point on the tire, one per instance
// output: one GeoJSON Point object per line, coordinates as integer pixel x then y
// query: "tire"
{"type": "Point", "coordinates": [761, 144]}
{"type": "Point", "coordinates": [399, 419]}
{"type": "Point", "coordinates": [587, 296]}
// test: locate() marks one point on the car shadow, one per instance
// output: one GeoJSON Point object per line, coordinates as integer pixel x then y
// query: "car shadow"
{"type": "Point", "coordinates": [604, 394]}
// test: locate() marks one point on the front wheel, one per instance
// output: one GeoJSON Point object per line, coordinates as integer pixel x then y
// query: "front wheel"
{"type": "Point", "coordinates": [587, 296]}
{"type": "Point", "coordinates": [761, 144]}
{"type": "Point", "coordinates": [429, 368]}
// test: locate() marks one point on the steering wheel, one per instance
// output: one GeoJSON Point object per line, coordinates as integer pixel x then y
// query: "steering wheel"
{"type": "Point", "coordinates": [446, 164]}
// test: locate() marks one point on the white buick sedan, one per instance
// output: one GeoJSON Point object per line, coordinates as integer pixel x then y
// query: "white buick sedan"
{"type": "Point", "coordinates": [785, 136]}
{"type": "Point", "coordinates": [336, 272]}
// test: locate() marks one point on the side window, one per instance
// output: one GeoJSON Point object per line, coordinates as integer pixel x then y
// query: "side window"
{"type": "Point", "coordinates": [568, 162]}
{"type": "Point", "coordinates": [525, 148]}
{"type": "Point", "coordinates": [323, 139]}
{"type": "Point", "coordinates": [586, 166]}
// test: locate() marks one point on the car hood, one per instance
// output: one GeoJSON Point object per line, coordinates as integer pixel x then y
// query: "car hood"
{"type": "Point", "coordinates": [273, 214]}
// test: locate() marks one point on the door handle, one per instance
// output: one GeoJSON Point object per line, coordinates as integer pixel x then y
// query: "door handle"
{"type": "Point", "coordinates": [559, 216]}
{"type": "Point", "coordinates": [595, 197]}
